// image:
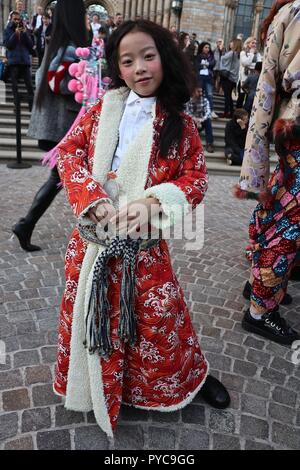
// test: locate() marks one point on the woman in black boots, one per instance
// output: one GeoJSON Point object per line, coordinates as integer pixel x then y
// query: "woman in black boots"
{"type": "Point", "coordinates": [55, 108]}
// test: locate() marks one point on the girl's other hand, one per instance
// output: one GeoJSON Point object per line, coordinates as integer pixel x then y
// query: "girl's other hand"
{"type": "Point", "coordinates": [135, 216]}
{"type": "Point", "coordinates": [102, 213]}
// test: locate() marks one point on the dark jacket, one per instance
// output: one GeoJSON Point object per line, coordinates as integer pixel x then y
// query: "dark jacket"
{"type": "Point", "coordinates": [19, 48]}
{"type": "Point", "coordinates": [235, 137]}
{"type": "Point", "coordinates": [39, 43]}
{"type": "Point", "coordinates": [211, 63]}
{"type": "Point", "coordinates": [34, 21]}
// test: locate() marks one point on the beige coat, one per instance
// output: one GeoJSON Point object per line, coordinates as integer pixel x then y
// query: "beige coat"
{"type": "Point", "coordinates": [277, 94]}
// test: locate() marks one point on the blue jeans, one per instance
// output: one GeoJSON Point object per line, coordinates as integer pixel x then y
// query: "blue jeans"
{"type": "Point", "coordinates": [208, 131]}
{"type": "Point", "coordinates": [207, 85]}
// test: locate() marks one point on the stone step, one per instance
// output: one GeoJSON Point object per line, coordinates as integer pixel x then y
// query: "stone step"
{"type": "Point", "coordinates": [27, 143]}
{"type": "Point", "coordinates": [27, 155]}
{"type": "Point", "coordinates": [9, 112]}
{"type": "Point", "coordinates": [221, 168]}
{"type": "Point", "coordinates": [10, 123]}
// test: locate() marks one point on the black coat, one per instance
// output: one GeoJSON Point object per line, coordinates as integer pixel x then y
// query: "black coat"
{"type": "Point", "coordinates": [39, 43]}
{"type": "Point", "coordinates": [235, 137]}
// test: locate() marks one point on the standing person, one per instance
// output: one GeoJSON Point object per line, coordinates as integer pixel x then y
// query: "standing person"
{"type": "Point", "coordinates": [250, 86]}
{"type": "Point", "coordinates": [55, 108]}
{"type": "Point", "coordinates": [184, 43]}
{"type": "Point", "coordinates": [229, 71]}
{"type": "Point", "coordinates": [204, 67]}
{"type": "Point", "coordinates": [275, 224]}
{"type": "Point", "coordinates": [118, 20]}
{"type": "Point", "coordinates": [109, 25]}
{"type": "Point", "coordinates": [235, 137]}
{"type": "Point", "coordinates": [95, 25]}
{"type": "Point", "coordinates": [43, 35]}
{"type": "Point", "coordinates": [146, 353]}
{"type": "Point", "coordinates": [218, 53]}
{"type": "Point", "coordinates": [198, 107]}
{"type": "Point", "coordinates": [37, 19]}
{"type": "Point", "coordinates": [248, 58]}
{"type": "Point", "coordinates": [19, 48]}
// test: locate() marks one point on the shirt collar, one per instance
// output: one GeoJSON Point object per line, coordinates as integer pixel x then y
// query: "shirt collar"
{"type": "Point", "coordinates": [144, 103]}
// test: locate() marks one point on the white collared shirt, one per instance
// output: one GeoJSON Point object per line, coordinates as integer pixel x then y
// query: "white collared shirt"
{"type": "Point", "coordinates": [137, 112]}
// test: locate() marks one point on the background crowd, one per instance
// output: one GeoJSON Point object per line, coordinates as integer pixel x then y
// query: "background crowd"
{"type": "Point", "coordinates": [231, 70]}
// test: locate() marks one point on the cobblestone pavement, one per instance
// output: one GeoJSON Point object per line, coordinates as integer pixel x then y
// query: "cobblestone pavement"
{"type": "Point", "coordinates": [263, 382]}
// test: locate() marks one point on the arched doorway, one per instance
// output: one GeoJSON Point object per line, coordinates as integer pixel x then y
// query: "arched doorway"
{"type": "Point", "coordinates": [104, 7]}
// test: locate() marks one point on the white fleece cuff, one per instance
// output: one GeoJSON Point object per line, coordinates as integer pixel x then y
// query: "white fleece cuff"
{"type": "Point", "coordinates": [173, 203]}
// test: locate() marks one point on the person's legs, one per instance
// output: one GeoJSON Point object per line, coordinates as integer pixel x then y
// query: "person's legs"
{"type": "Point", "coordinates": [227, 88]}
{"type": "Point", "coordinates": [209, 89]}
{"type": "Point", "coordinates": [26, 74]}
{"type": "Point", "coordinates": [42, 200]}
{"type": "Point", "coordinates": [241, 97]}
{"type": "Point", "coordinates": [208, 132]}
{"type": "Point", "coordinates": [269, 278]}
{"type": "Point", "coordinates": [14, 74]}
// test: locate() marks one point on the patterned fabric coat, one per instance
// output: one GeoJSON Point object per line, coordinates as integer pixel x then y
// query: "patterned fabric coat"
{"type": "Point", "coordinates": [277, 94]}
{"type": "Point", "coordinates": [165, 368]}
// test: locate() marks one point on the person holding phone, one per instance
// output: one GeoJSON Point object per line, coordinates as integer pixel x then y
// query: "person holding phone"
{"type": "Point", "coordinates": [19, 49]}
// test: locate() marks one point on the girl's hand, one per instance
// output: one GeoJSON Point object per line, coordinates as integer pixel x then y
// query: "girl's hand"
{"type": "Point", "coordinates": [134, 217]}
{"type": "Point", "coordinates": [102, 213]}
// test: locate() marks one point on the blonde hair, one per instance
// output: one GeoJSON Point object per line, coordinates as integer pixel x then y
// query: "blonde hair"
{"type": "Point", "coordinates": [247, 42]}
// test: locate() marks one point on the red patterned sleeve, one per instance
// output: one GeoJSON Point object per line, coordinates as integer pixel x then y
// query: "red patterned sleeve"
{"type": "Point", "coordinates": [75, 155]}
{"type": "Point", "coordinates": [183, 193]}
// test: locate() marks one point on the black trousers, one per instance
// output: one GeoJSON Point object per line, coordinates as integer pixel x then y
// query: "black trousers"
{"type": "Point", "coordinates": [21, 71]}
{"type": "Point", "coordinates": [228, 87]}
{"type": "Point", "coordinates": [45, 194]}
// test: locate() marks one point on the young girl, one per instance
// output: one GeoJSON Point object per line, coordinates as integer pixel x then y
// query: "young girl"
{"type": "Point", "coordinates": [122, 299]}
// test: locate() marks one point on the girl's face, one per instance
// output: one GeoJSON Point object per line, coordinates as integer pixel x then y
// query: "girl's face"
{"type": "Point", "coordinates": [206, 49]}
{"type": "Point", "coordinates": [140, 64]}
{"type": "Point", "coordinates": [252, 44]}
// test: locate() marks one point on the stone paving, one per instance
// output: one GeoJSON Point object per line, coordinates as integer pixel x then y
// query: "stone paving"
{"type": "Point", "coordinates": [263, 381]}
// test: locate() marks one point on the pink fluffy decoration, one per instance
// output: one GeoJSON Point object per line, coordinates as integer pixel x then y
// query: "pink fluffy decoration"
{"type": "Point", "coordinates": [73, 69]}
{"type": "Point", "coordinates": [73, 85]}
{"type": "Point", "coordinates": [79, 97]}
{"type": "Point", "coordinates": [82, 52]}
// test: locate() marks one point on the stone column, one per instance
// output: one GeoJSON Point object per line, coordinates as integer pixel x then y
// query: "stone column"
{"type": "Point", "coordinates": [133, 9]}
{"type": "Point", "coordinates": [159, 12]}
{"type": "Point", "coordinates": [258, 9]}
{"type": "Point", "coordinates": [127, 10]}
{"type": "Point", "coordinates": [229, 17]}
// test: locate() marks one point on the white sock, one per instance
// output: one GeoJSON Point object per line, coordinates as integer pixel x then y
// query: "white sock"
{"type": "Point", "coordinates": [255, 316]}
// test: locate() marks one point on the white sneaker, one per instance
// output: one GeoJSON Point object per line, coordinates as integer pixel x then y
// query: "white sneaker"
{"type": "Point", "coordinates": [214, 115]}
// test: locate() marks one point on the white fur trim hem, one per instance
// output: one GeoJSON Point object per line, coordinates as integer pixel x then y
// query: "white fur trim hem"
{"type": "Point", "coordinates": [173, 203]}
{"type": "Point", "coordinates": [179, 406]}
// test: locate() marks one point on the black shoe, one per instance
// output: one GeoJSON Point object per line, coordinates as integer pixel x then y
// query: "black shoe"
{"type": "Point", "coordinates": [295, 274]}
{"type": "Point", "coordinates": [271, 326]}
{"type": "Point", "coordinates": [287, 299]}
{"type": "Point", "coordinates": [214, 393]}
{"type": "Point", "coordinates": [24, 236]}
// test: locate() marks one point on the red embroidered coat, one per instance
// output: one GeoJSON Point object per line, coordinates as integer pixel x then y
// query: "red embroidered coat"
{"type": "Point", "coordinates": [165, 368]}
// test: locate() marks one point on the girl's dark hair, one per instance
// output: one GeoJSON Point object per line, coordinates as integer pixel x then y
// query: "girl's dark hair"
{"type": "Point", "coordinates": [68, 27]}
{"type": "Point", "coordinates": [268, 20]}
{"type": "Point", "coordinates": [178, 79]}
{"type": "Point", "coordinates": [202, 45]}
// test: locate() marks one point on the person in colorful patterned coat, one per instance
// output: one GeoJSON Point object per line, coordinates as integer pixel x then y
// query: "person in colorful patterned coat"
{"type": "Point", "coordinates": [125, 335]}
{"type": "Point", "coordinates": [275, 224]}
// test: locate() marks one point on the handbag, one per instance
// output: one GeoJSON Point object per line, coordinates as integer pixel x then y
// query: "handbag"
{"type": "Point", "coordinates": [3, 70]}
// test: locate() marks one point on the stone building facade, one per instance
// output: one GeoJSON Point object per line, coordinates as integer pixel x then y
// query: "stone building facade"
{"type": "Point", "coordinates": [210, 19]}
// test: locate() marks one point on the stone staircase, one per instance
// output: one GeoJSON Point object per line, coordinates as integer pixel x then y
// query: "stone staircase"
{"type": "Point", "coordinates": [216, 161]}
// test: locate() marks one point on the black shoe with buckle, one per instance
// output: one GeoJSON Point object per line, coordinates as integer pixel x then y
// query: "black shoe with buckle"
{"type": "Point", "coordinates": [287, 298]}
{"type": "Point", "coordinates": [271, 326]}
